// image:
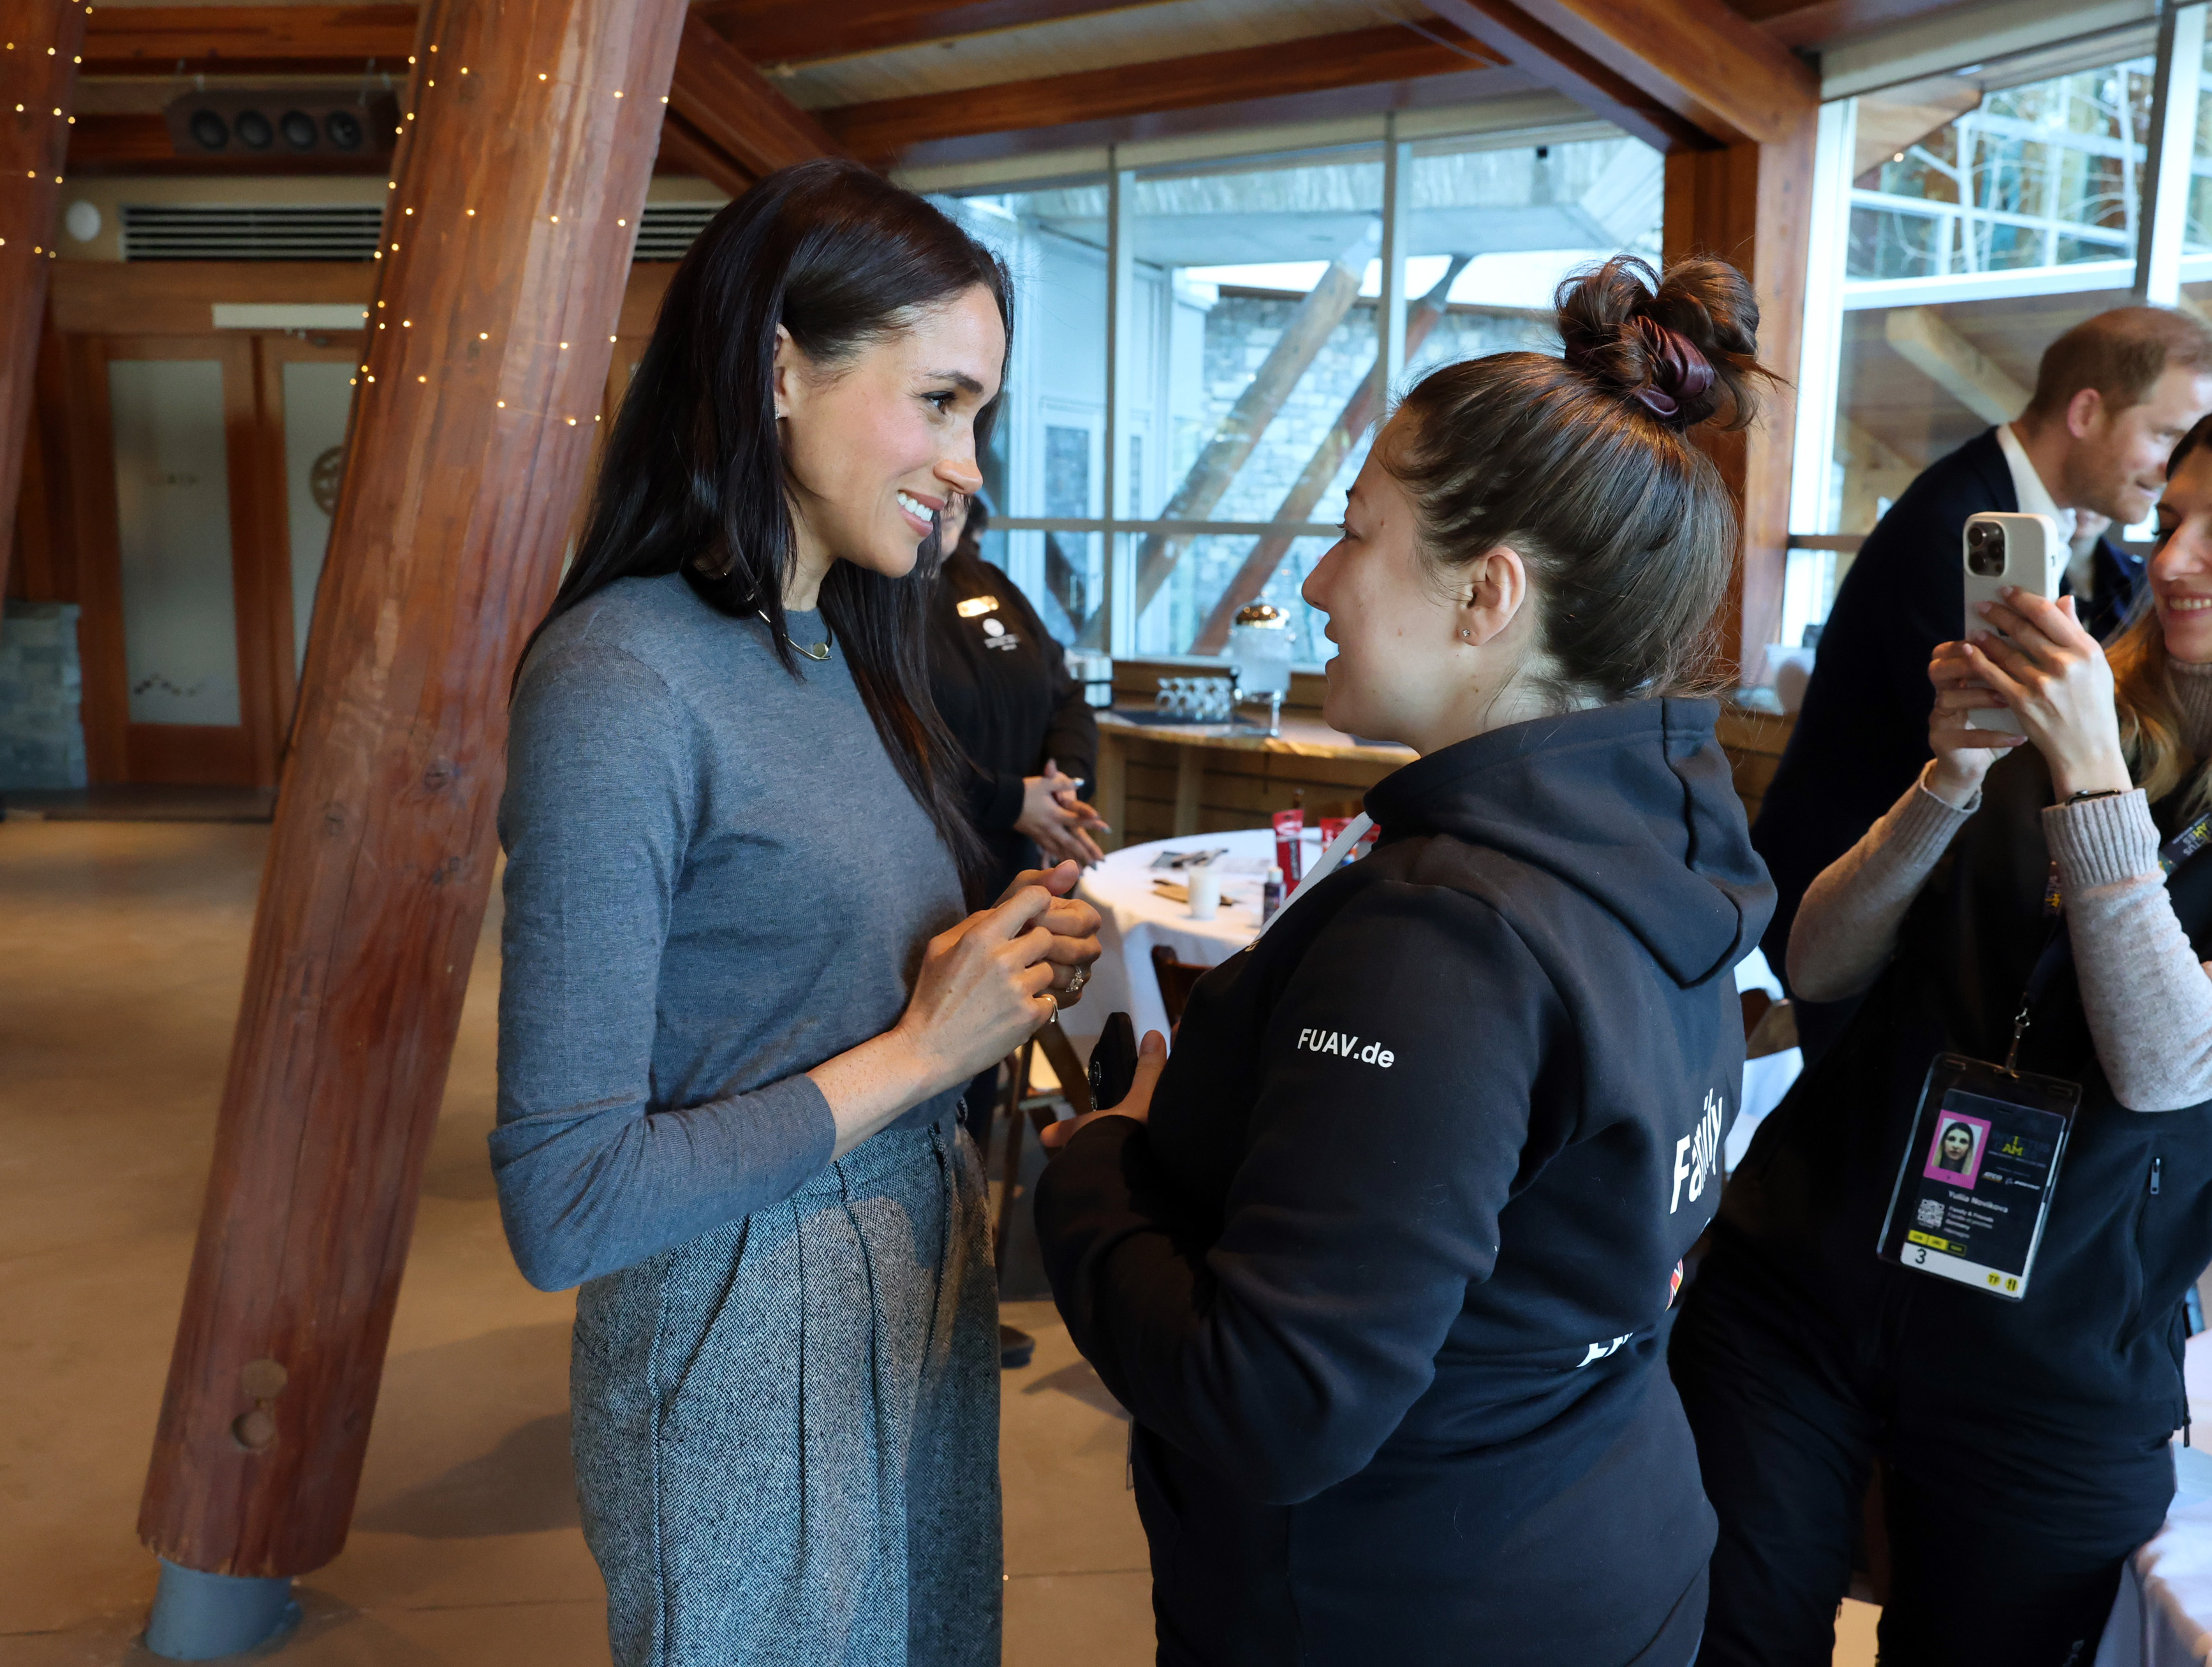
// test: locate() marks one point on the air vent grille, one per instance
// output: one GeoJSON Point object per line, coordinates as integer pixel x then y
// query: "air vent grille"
{"type": "Point", "coordinates": [209, 231]}
{"type": "Point", "coordinates": [668, 229]}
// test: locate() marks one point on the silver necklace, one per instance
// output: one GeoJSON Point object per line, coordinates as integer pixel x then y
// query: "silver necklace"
{"type": "Point", "coordinates": [819, 652]}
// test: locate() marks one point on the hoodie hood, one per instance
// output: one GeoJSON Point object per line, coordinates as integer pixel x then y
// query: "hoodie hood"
{"type": "Point", "coordinates": [1631, 804]}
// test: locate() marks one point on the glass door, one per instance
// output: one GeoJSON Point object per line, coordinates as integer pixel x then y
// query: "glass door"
{"type": "Point", "coordinates": [176, 601]}
{"type": "Point", "coordinates": [307, 390]}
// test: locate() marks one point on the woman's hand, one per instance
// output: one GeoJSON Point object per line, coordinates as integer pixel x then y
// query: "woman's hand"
{"type": "Point", "coordinates": [1152, 1060]}
{"type": "Point", "coordinates": [1963, 756]}
{"type": "Point", "coordinates": [1061, 823]}
{"type": "Point", "coordinates": [2052, 676]}
{"type": "Point", "coordinates": [1073, 922]}
{"type": "Point", "coordinates": [983, 988]}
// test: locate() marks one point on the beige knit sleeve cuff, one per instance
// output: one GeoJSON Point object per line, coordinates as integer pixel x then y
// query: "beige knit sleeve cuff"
{"type": "Point", "coordinates": [2101, 842]}
{"type": "Point", "coordinates": [1922, 825]}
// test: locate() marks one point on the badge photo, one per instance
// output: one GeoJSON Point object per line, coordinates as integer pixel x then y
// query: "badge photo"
{"type": "Point", "coordinates": [1955, 1154]}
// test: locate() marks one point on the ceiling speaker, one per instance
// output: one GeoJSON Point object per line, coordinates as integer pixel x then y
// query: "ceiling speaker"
{"type": "Point", "coordinates": [277, 122]}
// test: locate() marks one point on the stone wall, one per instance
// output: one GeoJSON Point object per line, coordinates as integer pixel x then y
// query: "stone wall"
{"type": "Point", "coordinates": [41, 729]}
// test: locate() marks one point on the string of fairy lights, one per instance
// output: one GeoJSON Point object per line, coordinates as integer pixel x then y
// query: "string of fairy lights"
{"type": "Point", "coordinates": [364, 375]}
{"type": "Point", "coordinates": [68, 120]}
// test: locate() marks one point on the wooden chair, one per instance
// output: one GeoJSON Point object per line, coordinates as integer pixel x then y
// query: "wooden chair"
{"type": "Point", "coordinates": [1176, 979]}
{"type": "Point", "coordinates": [1769, 1026]}
{"type": "Point", "coordinates": [1025, 1102]}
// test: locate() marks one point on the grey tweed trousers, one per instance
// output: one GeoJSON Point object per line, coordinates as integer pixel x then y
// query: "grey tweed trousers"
{"type": "Point", "coordinates": [786, 1431]}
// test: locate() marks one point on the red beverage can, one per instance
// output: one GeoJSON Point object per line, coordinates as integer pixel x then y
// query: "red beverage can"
{"type": "Point", "coordinates": [1290, 842]}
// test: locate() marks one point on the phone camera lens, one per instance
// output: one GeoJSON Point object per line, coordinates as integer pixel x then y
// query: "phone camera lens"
{"type": "Point", "coordinates": [1985, 551]}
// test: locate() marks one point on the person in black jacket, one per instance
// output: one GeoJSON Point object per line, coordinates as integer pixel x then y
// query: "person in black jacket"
{"type": "Point", "coordinates": [2112, 395]}
{"type": "Point", "coordinates": [1001, 685]}
{"type": "Point", "coordinates": [2024, 1437]}
{"type": "Point", "coordinates": [1000, 682]}
{"type": "Point", "coordinates": [1381, 1260]}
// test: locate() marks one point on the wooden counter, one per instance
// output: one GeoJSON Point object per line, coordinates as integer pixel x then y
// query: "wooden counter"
{"type": "Point", "coordinates": [1172, 780]}
{"type": "Point", "coordinates": [1224, 777]}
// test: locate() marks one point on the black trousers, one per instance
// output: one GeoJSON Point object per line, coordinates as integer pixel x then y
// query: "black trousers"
{"type": "Point", "coordinates": [2007, 1531]}
{"type": "Point", "coordinates": [977, 1107]}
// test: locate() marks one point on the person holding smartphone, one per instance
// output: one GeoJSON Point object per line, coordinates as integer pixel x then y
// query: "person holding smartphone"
{"type": "Point", "coordinates": [2011, 906]}
{"type": "Point", "coordinates": [742, 987]}
{"type": "Point", "coordinates": [1380, 1260]}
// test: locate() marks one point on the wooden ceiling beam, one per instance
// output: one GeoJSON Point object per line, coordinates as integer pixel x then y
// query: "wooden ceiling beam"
{"type": "Point", "coordinates": [1548, 57]}
{"type": "Point", "coordinates": [731, 121]}
{"type": "Point", "coordinates": [880, 130]}
{"type": "Point", "coordinates": [800, 31]}
{"type": "Point", "coordinates": [141, 144]}
{"type": "Point", "coordinates": [1818, 23]}
{"type": "Point", "coordinates": [126, 40]}
{"type": "Point", "coordinates": [1734, 85]}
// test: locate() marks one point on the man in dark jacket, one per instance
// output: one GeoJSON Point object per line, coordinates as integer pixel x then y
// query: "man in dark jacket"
{"type": "Point", "coordinates": [2112, 396]}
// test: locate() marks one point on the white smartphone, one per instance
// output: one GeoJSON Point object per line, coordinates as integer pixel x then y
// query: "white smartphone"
{"type": "Point", "coordinates": [2002, 549]}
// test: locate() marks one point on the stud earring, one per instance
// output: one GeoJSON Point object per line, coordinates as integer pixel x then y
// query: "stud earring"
{"type": "Point", "coordinates": [1463, 631]}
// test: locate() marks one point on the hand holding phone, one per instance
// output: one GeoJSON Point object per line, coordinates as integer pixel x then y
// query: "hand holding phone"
{"type": "Point", "coordinates": [2002, 549]}
{"type": "Point", "coordinates": [1113, 1063]}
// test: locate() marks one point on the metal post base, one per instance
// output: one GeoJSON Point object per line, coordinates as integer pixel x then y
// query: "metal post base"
{"type": "Point", "coordinates": [198, 1617]}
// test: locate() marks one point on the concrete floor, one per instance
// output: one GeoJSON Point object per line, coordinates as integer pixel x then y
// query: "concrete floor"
{"type": "Point", "coordinates": [121, 947]}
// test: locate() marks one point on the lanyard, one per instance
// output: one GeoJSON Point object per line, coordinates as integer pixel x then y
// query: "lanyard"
{"type": "Point", "coordinates": [2058, 948]}
{"type": "Point", "coordinates": [1353, 832]}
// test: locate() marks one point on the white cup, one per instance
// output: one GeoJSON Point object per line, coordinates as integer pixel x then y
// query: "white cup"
{"type": "Point", "coordinates": [1205, 884]}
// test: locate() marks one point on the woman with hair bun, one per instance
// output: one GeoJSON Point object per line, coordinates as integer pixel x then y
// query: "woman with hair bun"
{"type": "Point", "coordinates": [1380, 1260]}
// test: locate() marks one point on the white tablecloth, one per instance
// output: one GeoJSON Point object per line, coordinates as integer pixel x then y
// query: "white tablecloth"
{"type": "Point", "coordinates": [2163, 1615]}
{"type": "Point", "coordinates": [1137, 918]}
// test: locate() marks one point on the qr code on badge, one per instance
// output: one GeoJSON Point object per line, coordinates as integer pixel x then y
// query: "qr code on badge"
{"type": "Point", "coordinates": [1931, 1212]}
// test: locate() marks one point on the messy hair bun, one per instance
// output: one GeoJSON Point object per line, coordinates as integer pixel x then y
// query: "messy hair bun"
{"type": "Point", "coordinates": [1584, 464]}
{"type": "Point", "coordinates": [1684, 348]}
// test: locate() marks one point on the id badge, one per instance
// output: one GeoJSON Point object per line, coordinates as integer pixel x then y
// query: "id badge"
{"type": "Point", "coordinates": [1978, 1174]}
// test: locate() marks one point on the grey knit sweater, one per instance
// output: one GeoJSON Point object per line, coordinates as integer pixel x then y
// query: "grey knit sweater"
{"type": "Point", "coordinates": [2148, 999]}
{"type": "Point", "coordinates": [715, 881]}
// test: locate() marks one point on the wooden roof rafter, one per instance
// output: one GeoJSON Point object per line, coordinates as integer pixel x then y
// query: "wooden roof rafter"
{"type": "Point", "coordinates": [881, 130]}
{"type": "Point", "coordinates": [798, 31]}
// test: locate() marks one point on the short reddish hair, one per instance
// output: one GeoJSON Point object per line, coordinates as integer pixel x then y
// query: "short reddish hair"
{"type": "Point", "coordinates": [2120, 353]}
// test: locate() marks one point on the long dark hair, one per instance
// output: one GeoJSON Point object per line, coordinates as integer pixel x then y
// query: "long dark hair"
{"type": "Point", "coordinates": [692, 480]}
{"type": "Point", "coordinates": [1585, 463]}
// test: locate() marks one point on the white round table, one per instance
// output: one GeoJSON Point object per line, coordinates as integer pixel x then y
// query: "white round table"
{"type": "Point", "coordinates": [1137, 919]}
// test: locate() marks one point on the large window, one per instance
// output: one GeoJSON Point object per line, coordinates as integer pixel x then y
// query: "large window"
{"type": "Point", "coordinates": [1975, 217]}
{"type": "Point", "coordinates": [1249, 348]}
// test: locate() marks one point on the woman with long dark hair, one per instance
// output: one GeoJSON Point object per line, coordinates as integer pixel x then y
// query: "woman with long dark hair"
{"type": "Point", "coordinates": [1384, 1279]}
{"type": "Point", "coordinates": [740, 997]}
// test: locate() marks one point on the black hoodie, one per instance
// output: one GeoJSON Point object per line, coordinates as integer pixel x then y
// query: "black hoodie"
{"type": "Point", "coordinates": [1385, 1280]}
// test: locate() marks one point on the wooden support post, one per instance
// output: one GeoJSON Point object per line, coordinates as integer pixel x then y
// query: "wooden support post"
{"type": "Point", "coordinates": [1748, 204]}
{"type": "Point", "coordinates": [1190, 776]}
{"type": "Point", "coordinates": [1297, 506]}
{"type": "Point", "coordinates": [1112, 797]}
{"type": "Point", "coordinates": [505, 249]}
{"type": "Point", "coordinates": [1302, 337]}
{"type": "Point", "coordinates": [43, 41]}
